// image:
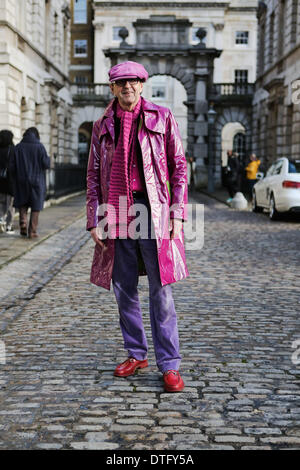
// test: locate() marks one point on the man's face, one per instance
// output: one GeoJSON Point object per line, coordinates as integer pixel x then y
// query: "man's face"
{"type": "Point", "coordinates": [128, 93]}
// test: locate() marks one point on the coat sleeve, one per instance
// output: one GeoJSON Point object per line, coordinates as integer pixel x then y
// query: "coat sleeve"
{"type": "Point", "coordinates": [12, 162]}
{"type": "Point", "coordinates": [93, 194]}
{"type": "Point", "coordinates": [45, 158]}
{"type": "Point", "coordinates": [177, 170]}
{"type": "Point", "coordinates": [11, 170]}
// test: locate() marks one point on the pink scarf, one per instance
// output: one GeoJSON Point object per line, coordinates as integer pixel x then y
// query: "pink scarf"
{"type": "Point", "coordinates": [119, 178]}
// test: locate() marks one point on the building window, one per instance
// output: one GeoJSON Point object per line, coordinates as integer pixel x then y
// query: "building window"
{"type": "Point", "coordinates": [80, 48]}
{"type": "Point", "coordinates": [241, 37]}
{"type": "Point", "coordinates": [158, 85]}
{"type": "Point", "coordinates": [81, 79]}
{"type": "Point", "coordinates": [239, 146]}
{"type": "Point", "coordinates": [116, 30]}
{"type": "Point", "coordinates": [158, 91]}
{"type": "Point", "coordinates": [241, 76]}
{"type": "Point", "coordinates": [295, 8]}
{"type": "Point", "coordinates": [281, 27]}
{"type": "Point", "coordinates": [271, 37]}
{"type": "Point", "coordinates": [261, 51]}
{"type": "Point", "coordinates": [289, 130]}
{"type": "Point", "coordinates": [80, 11]}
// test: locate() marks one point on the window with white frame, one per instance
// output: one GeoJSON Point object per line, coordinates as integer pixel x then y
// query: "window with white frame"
{"type": "Point", "coordinates": [158, 85]}
{"type": "Point", "coordinates": [80, 11]}
{"type": "Point", "coordinates": [241, 37]}
{"type": "Point", "coordinates": [116, 30]}
{"type": "Point", "coordinates": [81, 79]}
{"type": "Point", "coordinates": [241, 76]}
{"type": "Point", "coordinates": [80, 48]}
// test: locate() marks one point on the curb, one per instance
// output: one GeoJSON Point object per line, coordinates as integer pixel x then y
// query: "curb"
{"type": "Point", "coordinates": [55, 202]}
{"type": "Point", "coordinates": [212, 195]}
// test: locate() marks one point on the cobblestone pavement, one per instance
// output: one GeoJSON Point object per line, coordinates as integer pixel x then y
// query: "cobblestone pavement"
{"type": "Point", "coordinates": [238, 318]}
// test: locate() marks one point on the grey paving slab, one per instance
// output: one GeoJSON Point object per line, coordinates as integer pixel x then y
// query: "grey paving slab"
{"type": "Point", "coordinates": [51, 220]}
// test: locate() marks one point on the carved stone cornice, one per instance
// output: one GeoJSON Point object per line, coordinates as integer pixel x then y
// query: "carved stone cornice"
{"type": "Point", "coordinates": [218, 26]}
{"type": "Point", "coordinates": [172, 4]}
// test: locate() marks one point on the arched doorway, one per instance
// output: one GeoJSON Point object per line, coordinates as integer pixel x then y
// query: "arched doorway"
{"type": "Point", "coordinates": [84, 141]}
{"type": "Point", "coordinates": [233, 138]}
{"type": "Point", "coordinates": [232, 132]}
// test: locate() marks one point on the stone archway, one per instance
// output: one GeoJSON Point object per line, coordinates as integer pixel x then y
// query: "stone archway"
{"type": "Point", "coordinates": [86, 114]}
{"type": "Point", "coordinates": [241, 117]}
{"type": "Point", "coordinates": [162, 46]}
{"type": "Point", "coordinates": [228, 134]}
{"type": "Point", "coordinates": [84, 141]}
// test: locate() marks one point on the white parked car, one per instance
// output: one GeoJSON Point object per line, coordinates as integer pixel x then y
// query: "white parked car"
{"type": "Point", "coordinates": [279, 190]}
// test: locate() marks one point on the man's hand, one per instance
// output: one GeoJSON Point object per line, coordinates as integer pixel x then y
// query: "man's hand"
{"type": "Point", "coordinates": [176, 226]}
{"type": "Point", "coordinates": [96, 234]}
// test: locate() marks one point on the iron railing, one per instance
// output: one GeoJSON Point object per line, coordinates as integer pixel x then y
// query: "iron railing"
{"type": "Point", "coordinates": [64, 179]}
{"type": "Point", "coordinates": [232, 89]}
{"type": "Point", "coordinates": [91, 91]}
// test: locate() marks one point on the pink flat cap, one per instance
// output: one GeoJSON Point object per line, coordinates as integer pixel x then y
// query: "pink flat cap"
{"type": "Point", "coordinates": [128, 69]}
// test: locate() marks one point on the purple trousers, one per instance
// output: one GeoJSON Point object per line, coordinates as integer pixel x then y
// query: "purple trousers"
{"type": "Point", "coordinates": [162, 310]}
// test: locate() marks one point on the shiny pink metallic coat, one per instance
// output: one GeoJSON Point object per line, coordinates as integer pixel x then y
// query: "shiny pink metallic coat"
{"type": "Point", "coordinates": [165, 174]}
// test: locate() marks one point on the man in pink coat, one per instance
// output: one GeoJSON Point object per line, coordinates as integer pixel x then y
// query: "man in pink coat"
{"type": "Point", "coordinates": [137, 168]}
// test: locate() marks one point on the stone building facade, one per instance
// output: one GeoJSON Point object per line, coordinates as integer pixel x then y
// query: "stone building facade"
{"type": "Point", "coordinates": [276, 106]}
{"type": "Point", "coordinates": [82, 42]}
{"type": "Point", "coordinates": [34, 68]}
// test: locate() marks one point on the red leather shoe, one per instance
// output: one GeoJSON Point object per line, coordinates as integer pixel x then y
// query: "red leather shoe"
{"type": "Point", "coordinates": [172, 381]}
{"type": "Point", "coordinates": [129, 367]}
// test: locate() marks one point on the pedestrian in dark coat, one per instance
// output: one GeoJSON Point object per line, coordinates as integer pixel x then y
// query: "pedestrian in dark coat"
{"type": "Point", "coordinates": [232, 174]}
{"type": "Point", "coordinates": [6, 186]}
{"type": "Point", "coordinates": [28, 167]}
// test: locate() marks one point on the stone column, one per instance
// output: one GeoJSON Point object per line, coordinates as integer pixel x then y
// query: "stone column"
{"type": "Point", "coordinates": [100, 71]}
{"type": "Point", "coordinates": [38, 24]}
{"type": "Point", "coordinates": [43, 114]}
{"type": "Point", "coordinates": [200, 123]}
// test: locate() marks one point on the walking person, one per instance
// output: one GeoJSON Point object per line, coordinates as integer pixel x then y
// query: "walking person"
{"type": "Point", "coordinates": [232, 174]}
{"type": "Point", "coordinates": [137, 155]}
{"type": "Point", "coordinates": [6, 183]}
{"type": "Point", "coordinates": [251, 170]}
{"type": "Point", "coordinates": [191, 169]}
{"type": "Point", "coordinates": [29, 170]}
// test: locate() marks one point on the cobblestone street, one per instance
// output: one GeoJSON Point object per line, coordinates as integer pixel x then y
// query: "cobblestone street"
{"type": "Point", "coordinates": [238, 316]}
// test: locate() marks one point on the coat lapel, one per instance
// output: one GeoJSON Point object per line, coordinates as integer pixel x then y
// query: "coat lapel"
{"type": "Point", "coordinates": [108, 124]}
{"type": "Point", "coordinates": [152, 118]}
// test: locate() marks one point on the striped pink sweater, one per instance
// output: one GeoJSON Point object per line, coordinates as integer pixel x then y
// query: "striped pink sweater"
{"type": "Point", "coordinates": [119, 179]}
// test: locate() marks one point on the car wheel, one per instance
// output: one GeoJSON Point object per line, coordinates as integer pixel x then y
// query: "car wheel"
{"type": "Point", "coordinates": [255, 207]}
{"type": "Point", "coordinates": [273, 213]}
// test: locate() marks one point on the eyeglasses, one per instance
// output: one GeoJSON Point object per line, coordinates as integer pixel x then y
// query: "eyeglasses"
{"type": "Point", "coordinates": [131, 81]}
